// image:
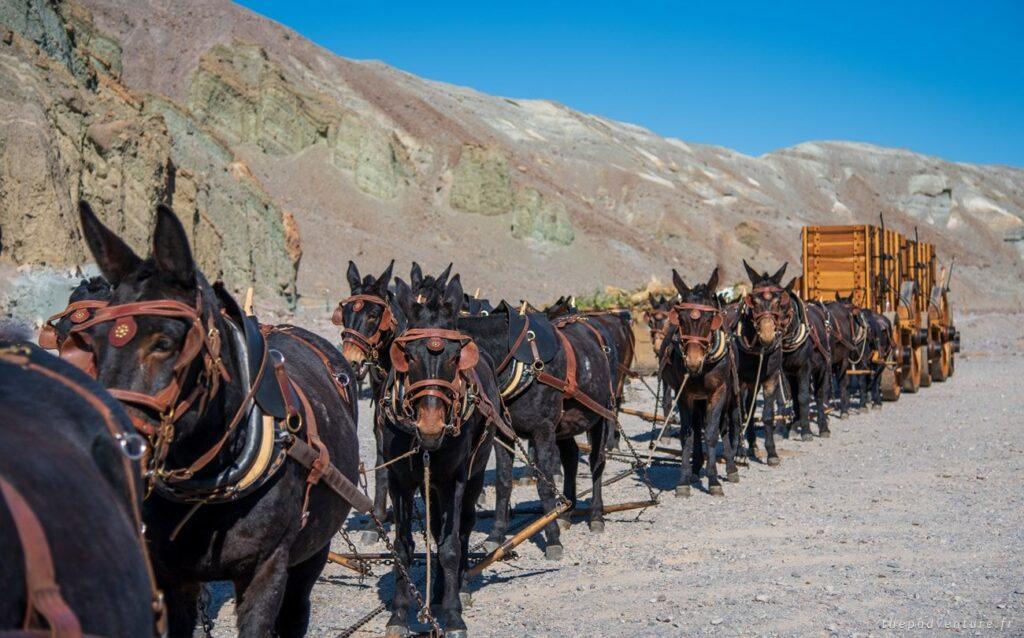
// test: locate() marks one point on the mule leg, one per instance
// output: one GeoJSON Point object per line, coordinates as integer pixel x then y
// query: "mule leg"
{"type": "Point", "coordinates": [449, 552]}
{"type": "Point", "coordinates": [821, 387]}
{"type": "Point", "coordinates": [597, 435]}
{"type": "Point", "coordinates": [547, 460]}
{"type": "Point", "coordinates": [802, 402]}
{"type": "Point", "coordinates": [876, 386]}
{"type": "Point", "coordinates": [380, 483]}
{"type": "Point", "coordinates": [712, 424]}
{"type": "Point", "coordinates": [293, 619]}
{"type": "Point", "coordinates": [398, 623]}
{"type": "Point", "coordinates": [768, 420]}
{"type": "Point", "coordinates": [749, 429]}
{"type": "Point", "coordinates": [182, 608]}
{"type": "Point", "coordinates": [686, 446]}
{"type": "Point", "coordinates": [259, 599]}
{"type": "Point", "coordinates": [474, 486]}
{"type": "Point", "coordinates": [844, 393]}
{"type": "Point", "coordinates": [570, 453]}
{"type": "Point", "coordinates": [503, 497]}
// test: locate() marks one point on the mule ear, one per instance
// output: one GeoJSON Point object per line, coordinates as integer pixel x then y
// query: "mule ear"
{"type": "Point", "coordinates": [385, 277]}
{"type": "Point", "coordinates": [679, 283]}
{"type": "Point", "coordinates": [354, 280]}
{"type": "Point", "coordinates": [403, 296]}
{"type": "Point", "coordinates": [838, 297]}
{"type": "Point", "coordinates": [713, 281]}
{"type": "Point", "coordinates": [453, 294]}
{"type": "Point", "coordinates": [791, 284]}
{"type": "Point", "coordinates": [751, 273]}
{"type": "Point", "coordinates": [777, 277]}
{"type": "Point", "coordinates": [415, 275]}
{"type": "Point", "coordinates": [651, 300]}
{"type": "Point", "coordinates": [115, 259]}
{"type": "Point", "coordinates": [171, 251]}
{"type": "Point", "coordinates": [442, 279]}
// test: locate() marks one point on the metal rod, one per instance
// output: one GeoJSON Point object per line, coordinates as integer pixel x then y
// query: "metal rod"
{"type": "Point", "coordinates": [517, 540]}
{"type": "Point", "coordinates": [648, 416]}
{"type": "Point", "coordinates": [350, 562]}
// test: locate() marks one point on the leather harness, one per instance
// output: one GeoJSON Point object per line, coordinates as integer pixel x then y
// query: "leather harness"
{"type": "Point", "coordinates": [714, 343]}
{"type": "Point", "coordinates": [203, 339]}
{"type": "Point", "coordinates": [43, 593]}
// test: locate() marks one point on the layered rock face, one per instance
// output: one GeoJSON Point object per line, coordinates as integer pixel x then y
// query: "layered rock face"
{"type": "Point", "coordinates": [71, 131]}
{"type": "Point", "coordinates": [254, 134]}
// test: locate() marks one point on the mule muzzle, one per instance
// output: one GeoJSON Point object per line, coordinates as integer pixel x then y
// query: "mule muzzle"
{"type": "Point", "coordinates": [767, 331]}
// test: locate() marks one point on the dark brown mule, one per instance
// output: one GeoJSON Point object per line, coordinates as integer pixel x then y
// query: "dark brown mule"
{"type": "Point", "coordinates": [368, 324]}
{"type": "Point", "coordinates": [879, 353]}
{"type": "Point", "coordinates": [656, 319]}
{"type": "Point", "coordinates": [439, 411]}
{"type": "Point", "coordinates": [70, 529]}
{"type": "Point", "coordinates": [848, 332]}
{"type": "Point", "coordinates": [185, 362]}
{"type": "Point", "coordinates": [759, 331]}
{"type": "Point", "coordinates": [698, 365]}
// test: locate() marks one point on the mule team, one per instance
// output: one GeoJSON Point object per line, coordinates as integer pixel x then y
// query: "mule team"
{"type": "Point", "coordinates": [234, 445]}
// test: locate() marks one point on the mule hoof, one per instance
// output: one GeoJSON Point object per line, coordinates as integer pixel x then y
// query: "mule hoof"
{"type": "Point", "coordinates": [553, 552]}
{"type": "Point", "coordinates": [825, 434]}
{"type": "Point", "coordinates": [683, 491]}
{"type": "Point", "coordinates": [774, 460]}
{"type": "Point", "coordinates": [491, 545]}
{"type": "Point", "coordinates": [457, 633]}
{"type": "Point", "coordinates": [597, 527]}
{"type": "Point", "coordinates": [563, 524]}
{"type": "Point", "coordinates": [733, 477]}
{"type": "Point", "coordinates": [806, 436]}
{"type": "Point", "coordinates": [396, 631]}
{"type": "Point", "coordinates": [466, 599]}
{"type": "Point", "coordinates": [716, 490]}
{"type": "Point", "coordinates": [844, 415]}
{"type": "Point", "coordinates": [369, 537]}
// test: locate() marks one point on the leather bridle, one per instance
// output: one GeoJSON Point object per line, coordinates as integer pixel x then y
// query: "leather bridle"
{"type": "Point", "coordinates": [653, 315]}
{"type": "Point", "coordinates": [202, 340]}
{"type": "Point", "coordinates": [452, 392]}
{"type": "Point", "coordinates": [369, 345]}
{"type": "Point", "coordinates": [782, 316]}
{"type": "Point", "coordinates": [70, 349]}
{"type": "Point", "coordinates": [696, 312]}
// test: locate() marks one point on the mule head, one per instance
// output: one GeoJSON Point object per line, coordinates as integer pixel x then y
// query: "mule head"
{"type": "Point", "coordinates": [158, 339]}
{"type": "Point", "coordinates": [426, 287]}
{"type": "Point", "coordinates": [430, 358]}
{"type": "Point", "coordinates": [366, 317]}
{"type": "Point", "coordinates": [697, 315]}
{"type": "Point", "coordinates": [767, 302]}
{"type": "Point", "coordinates": [656, 318]}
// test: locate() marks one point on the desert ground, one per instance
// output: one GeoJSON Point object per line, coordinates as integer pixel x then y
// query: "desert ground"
{"type": "Point", "coordinates": [908, 521]}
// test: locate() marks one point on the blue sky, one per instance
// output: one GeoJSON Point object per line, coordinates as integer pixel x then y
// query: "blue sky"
{"type": "Point", "coordinates": [940, 78]}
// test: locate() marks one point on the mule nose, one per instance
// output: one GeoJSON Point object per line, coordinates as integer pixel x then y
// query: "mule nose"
{"type": "Point", "coordinates": [430, 422]}
{"type": "Point", "coordinates": [353, 353]}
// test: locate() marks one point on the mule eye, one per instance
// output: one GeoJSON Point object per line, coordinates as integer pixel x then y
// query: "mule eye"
{"type": "Point", "coordinates": [163, 344]}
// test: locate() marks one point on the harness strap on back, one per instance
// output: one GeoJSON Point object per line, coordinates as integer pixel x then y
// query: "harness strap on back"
{"type": "Point", "coordinates": [44, 599]}
{"type": "Point", "coordinates": [568, 385]}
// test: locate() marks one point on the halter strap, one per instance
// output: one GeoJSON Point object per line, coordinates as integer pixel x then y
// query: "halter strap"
{"type": "Point", "coordinates": [368, 344]}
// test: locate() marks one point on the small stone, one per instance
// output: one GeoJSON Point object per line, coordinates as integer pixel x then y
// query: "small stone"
{"type": "Point", "coordinates": [761, 598]}
{"type": "Point", "coordinates": [717, 621]}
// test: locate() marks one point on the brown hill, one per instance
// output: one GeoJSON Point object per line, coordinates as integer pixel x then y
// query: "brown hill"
{"type": "Point", "coordinates": [238, 119]}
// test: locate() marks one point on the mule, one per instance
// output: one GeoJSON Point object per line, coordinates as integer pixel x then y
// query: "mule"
{"type": "Point", "coordinates": [68, 458]}
{"type": "Point", "coordinates": [805, 364]}
{"type": "Point", "coordinates": [368, 323]}
{"type": "Point", "coordinates": [656, 318]}
{"type": "Point", "coordinates": [848, 333]}
{"type": "Point", "coordinates": [186, 364]}
{"type": "Point", "coordinates": [439, 410]}
{"type": "Point", "coordinates": [758, 332]}
{"type": "Point", "coordinates": [697, 364]}
{"type": "Point", "coordinates": [878, 350]}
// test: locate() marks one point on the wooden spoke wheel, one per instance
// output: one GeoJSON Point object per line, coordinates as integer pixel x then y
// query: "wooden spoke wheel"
{"type": "Point", "coordinates": [912, 371]}
{"type": "Point", "coordinates": [890, 384]}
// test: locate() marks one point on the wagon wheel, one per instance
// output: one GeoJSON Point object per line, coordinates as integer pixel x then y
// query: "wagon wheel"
{"type": "Point", "coordinates": [890, 384]}
{"type": "Point", "coordinates": [940, 364]}
{"type": "Point", "coordinates": [926, 369]}
{"type": "Point", "coordinates": [912, 370]}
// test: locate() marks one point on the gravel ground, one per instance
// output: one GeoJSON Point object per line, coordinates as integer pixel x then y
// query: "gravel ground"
{"type": "Point", "coordinates": [906, 522]}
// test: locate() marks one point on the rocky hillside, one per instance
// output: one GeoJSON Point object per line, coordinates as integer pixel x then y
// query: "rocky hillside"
{"type": "Point", "coordinates": [259, 137]}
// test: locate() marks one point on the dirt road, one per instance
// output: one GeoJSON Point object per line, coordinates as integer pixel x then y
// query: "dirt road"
{"type": "Point", "coordinates": [908, 521]}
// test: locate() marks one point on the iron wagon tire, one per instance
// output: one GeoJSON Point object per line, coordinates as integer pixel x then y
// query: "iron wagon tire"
{"type": "Point", "coordinates": [912, 372]}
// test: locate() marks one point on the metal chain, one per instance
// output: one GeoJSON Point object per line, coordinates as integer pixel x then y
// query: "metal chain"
{"type": "Point", "coordinates": [204, 614]}
{"type": "Point", "coordinates": [364, 565]}
{"type": "Point", "coordinates": [425, 611]}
